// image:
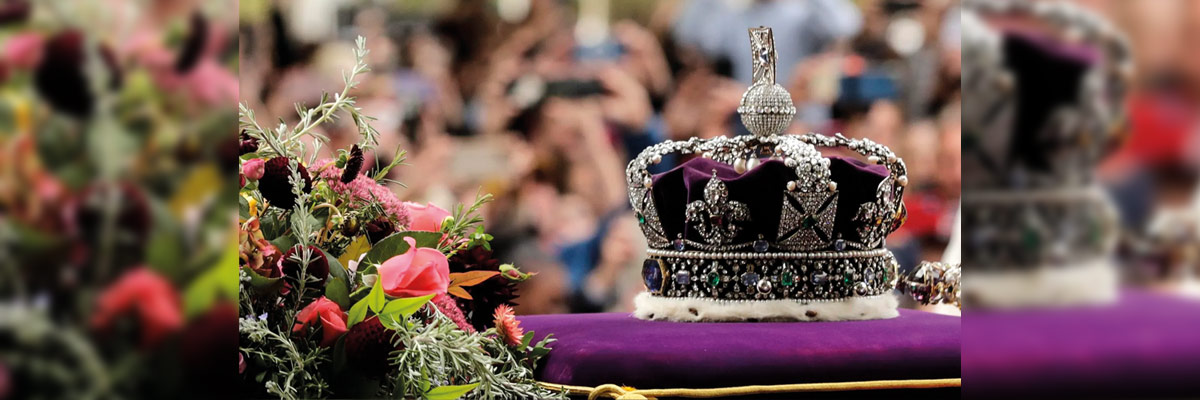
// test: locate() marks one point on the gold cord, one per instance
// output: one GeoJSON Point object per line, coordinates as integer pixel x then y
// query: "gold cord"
{"type": "Point", "coordinates": [619, 392]}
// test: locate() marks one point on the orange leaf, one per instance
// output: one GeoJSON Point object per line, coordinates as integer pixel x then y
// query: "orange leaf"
{"type": "Point", "coordinates": [471, 278]}
{"type": "Point", "coordinates": [459, 291]}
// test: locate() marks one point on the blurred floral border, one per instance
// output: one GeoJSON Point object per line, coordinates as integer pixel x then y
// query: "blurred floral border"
{"type": "Point", "coordinates": [117, 125]}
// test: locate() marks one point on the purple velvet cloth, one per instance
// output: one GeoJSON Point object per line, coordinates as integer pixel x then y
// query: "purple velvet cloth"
{"type": "Point", "coordinates": [595, 349]}
{"type": "Point", "coordinates": [1145, 345]}
{"type": "Point", "coordinates": [761, 189]}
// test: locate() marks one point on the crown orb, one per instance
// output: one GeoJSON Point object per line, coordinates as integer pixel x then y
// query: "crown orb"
{"type": "Point", "coordinates": [768, 109]}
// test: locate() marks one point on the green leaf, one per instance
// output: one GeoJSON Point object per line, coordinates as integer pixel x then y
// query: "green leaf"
{"type": "Point", "coordinates": [376, 299]}
{"type": "Point", "coordinates": [243, 207]}
{"type": "Point", "coordinates": [272, 224]}
{"type": "Point", "coordinates": [401, 309]}
{"type": "Point", "coordinates": [395, 245]}
{"type": "Point", "coordinates": [360, 294]}
{"type": "Point", "coordinates": [339, 354]}
{"type": "Point", "coordinates": [357, 313]}
{"type": "Point", "coordinates": [261, 283]}
{"type": "Point", "coordinates": [164, 252]}
{"type": "Point", "coordinates": [526, 339]}
{"type": "Point", "coordinates": [336, 270]}
{"type": "Point", "coordinates": [355, 249]}
{"type": "Point", "coordinates": [217, 282]}
{"type": "Point", "coordinates": [338, 291]}
{"type": "Point", "coordinates": [449, 392]}
{"type": "Point", "coordinates": [424, 380]}
{"type": "Point", "coordinates": [285, 242]}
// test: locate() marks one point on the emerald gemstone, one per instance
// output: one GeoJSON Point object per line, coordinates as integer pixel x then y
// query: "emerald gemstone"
{"type": "Point", "coordinates": [714, 278]}
{"type": "Point", "coordinates": [847, 277]}
{"type": "Point", "coordinates": [641, 218]}
{"type": "Point", "coordinates": [1031, 240]}
{"type": "Point", "coordinates": [787, 279]}
{"type": "Point", "coordinates": [809, 222]}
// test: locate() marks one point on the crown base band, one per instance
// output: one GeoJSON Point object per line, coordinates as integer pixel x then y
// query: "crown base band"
{"type": "Point", "coordinates": [720, 276]}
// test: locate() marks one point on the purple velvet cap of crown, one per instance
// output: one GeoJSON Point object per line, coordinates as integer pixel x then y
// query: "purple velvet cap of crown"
{"type": "Point", "coordinates": [761, 189]}
{"type": "Point", "coordinates": [1049, 74]}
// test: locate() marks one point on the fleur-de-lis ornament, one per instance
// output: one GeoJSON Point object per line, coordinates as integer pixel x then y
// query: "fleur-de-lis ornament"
{"type": "Point", "coordinates": [715, 215]}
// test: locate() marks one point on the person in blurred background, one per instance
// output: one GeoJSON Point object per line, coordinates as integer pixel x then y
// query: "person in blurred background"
{"type": "Point", "coordinates": [543, 102]}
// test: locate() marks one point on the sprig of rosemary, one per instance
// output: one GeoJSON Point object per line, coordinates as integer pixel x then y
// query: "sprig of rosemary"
{"type": "Point", "coordinates": [438, 353]}
{"type": "Point", "coordinates": [285, 141]}
{"type": "Point", "coordinates": [460, 222]}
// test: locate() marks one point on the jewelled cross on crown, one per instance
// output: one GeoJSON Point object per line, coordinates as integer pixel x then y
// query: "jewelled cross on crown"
{"type": "Point", "coordinates": [766, 107]}
{"type": "Point", "coordinates": [762, 51]}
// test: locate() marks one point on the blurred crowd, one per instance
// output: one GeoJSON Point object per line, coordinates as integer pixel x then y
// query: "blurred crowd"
{"type": "Point", "coordinates": [1153, 174]}
{"type": "Point", "coordinates": [543, 102]}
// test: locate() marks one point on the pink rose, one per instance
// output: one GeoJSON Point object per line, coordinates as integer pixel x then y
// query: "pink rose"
{"type": "Point", "coordinates": [417, 272]}
{"type": "Point", "coordinates": [328, 314]}
{"type": "Point", "coordinates": [24, 50]}
{"type": "Point", "coordinates": [254, 168]}
{"type": "Point", "coordinates": [425, 217]}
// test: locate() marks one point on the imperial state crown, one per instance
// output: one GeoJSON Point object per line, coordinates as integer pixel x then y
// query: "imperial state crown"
{"type": "Point", "coordinates": [765, 227]}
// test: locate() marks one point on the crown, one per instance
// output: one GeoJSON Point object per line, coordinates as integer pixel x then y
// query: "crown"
{"type": "Point", "coordinates": [766, 218]}
{"type": "Point", "coordinates": [1046, 99]}
{"type": "Point", "coordinates": [1046, 105]}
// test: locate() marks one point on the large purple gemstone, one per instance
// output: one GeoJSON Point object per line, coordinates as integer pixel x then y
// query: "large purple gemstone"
{"type": "Point", "coordinates": [652, 275]}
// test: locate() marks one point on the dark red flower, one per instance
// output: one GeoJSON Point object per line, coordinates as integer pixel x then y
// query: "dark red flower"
{"type": "Point", "coordinates": [246, 144]}
{"type": "Point", "coordinates": [193, 46]}
{"type": "Point", "coordinates": [353, 165]}
{"type": "Point", "coordinates": [487, 295]}
{"type": "Point", "coordinates": [318, 265]}
{"type": "Point", "coordinates": [368, 346]}
{"type": "Point", "coordinates": [133, 219]}
{"type": "Point", "coordinates": [380, 228]}
{"type": "Point", "coordinates": [10, 12]}
{"type": "Point", "coordinates": [276, 187]}
{"type": "Point", "coordinates": [60, 78]}
{"type": "Point", "coordinates": [208, 343]}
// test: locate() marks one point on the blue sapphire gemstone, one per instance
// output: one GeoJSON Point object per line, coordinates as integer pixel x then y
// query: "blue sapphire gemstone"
{"type": "Point", "coordinates": [683, 278]}
{"type": "Point", "coordinates": [652, 274]}
{"type": "Point", "coordinates": [761, 246]}
{"type": "Point", "coordinates": [750, 279]}
{"type": "Point", "coordinates": [678, 244]}
{"type": "Point", "coordinates": [820, 278]}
